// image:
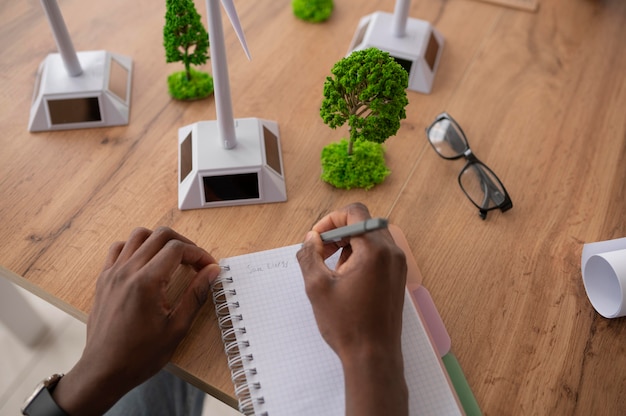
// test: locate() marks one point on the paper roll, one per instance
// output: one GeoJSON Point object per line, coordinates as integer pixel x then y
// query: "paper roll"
{"type": "Point", "coordinates": [604, 276]}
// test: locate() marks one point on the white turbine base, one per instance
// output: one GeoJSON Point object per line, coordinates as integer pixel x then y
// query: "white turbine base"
{"type": "Point", "coordinates": [419, 49]}
{"type": "Point", "coordinates": [211, 176]}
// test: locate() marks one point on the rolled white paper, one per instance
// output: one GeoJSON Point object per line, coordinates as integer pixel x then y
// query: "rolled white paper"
{"type": "Point", "coordinates": [603, 266]}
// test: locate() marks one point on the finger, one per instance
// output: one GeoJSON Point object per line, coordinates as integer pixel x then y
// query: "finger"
{"type": "Point", "coordinates": [331, 221]}
{"type": "Point", "coordinates": [356, 212]}
{"type": "Point", "coordinates": [364, 246]}
{"type": "Point", "coordinates": [137, 237]}
{"type": "Point", "coordinates": [349, 214]}
{"type": "Point", "coordinates": [155, 243]}
{"type": "Point", "coordinates": [314, 271]}
{"type": "Point", "coordinates": [113, 255]}
{"type": "Point", "coordinates": [377, 237]}
{"type": "Point", "coordinates": [175, 252]}
{"type": "Point", "coordinates": [193, 298]}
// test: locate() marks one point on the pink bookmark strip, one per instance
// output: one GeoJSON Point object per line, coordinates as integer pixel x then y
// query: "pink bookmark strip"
{"type": "Point", "coordinates": [424, 302]}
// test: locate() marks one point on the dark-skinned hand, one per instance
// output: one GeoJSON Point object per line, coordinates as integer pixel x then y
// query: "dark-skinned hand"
{"type": "Point", "coordinates": [132, 330]}
{"type": "Point", "coordinates": [358, 308]}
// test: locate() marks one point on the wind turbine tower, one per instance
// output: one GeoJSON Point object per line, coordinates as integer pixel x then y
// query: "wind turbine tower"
{"type": "Point", "coordinates": [228, 161]}
{"type": "Point", "coordinates": [413, 43]}
{"type": "Point", "coordinates": [79, 90]}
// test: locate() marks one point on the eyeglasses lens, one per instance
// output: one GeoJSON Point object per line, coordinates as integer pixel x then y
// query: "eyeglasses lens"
{"type": "Point", "coordinates": [447, 139]}
{"type": "Point", "coordinates": [482, 186]}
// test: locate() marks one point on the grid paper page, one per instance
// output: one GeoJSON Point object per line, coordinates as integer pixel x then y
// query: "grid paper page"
{"type": "Point", "coordinates": [298, 372]}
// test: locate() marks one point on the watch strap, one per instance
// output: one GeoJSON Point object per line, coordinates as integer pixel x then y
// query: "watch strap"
{"type": "Point", "coordinates": [43, 404]}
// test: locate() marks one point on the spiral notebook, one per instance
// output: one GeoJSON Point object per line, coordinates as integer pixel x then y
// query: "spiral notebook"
{"type": "Point", "coordinates": [279, 362]}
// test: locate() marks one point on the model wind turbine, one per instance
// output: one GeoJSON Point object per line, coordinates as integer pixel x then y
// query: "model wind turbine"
{"type": "Point", "coordinates": [228, 161]}
{"type": "Point", "coordinates": [79, 90]}
{"type": "Point", "coordinates": [415, 44]}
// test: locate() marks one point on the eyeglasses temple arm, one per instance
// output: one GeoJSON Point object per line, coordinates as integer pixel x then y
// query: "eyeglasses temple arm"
{"type": "Point", "coordinates": [492, 190]}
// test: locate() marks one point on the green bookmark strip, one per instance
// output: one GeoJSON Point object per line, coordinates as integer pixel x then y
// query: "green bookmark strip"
{"type": "Point", "coordinates": [468, 401]}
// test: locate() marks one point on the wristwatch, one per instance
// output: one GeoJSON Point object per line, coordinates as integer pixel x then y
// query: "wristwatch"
{"type": "Point", "coordinates": [40, 402]}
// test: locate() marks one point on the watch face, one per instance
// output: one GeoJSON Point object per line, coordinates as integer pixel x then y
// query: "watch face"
{"type": "Point", "coordinates": [32, 396]}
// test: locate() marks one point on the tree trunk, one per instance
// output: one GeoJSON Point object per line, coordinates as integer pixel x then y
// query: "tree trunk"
{"type": "Point", "coordinates": [350, 141]}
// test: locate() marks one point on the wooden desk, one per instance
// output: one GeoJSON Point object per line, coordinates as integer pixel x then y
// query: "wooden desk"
{"type": "Point", "coordinates": [541, 96]}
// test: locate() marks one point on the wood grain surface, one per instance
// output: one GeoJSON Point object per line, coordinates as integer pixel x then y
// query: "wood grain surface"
{"type": "Point", "coordinates": [541, 97]}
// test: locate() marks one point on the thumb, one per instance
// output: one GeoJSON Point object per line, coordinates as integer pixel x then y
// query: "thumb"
{"type": "Point", "coordinates": [311, 259]}
{"type": "Point", "coordinates": [311, 252]}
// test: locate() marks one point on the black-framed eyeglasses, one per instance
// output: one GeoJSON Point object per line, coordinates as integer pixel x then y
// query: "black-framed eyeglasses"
{"type": "Point", "coordinates": [477, 181]}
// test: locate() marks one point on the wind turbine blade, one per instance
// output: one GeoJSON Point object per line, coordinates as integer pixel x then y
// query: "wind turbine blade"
{"type": "Point", "coordinates": [229, 6]}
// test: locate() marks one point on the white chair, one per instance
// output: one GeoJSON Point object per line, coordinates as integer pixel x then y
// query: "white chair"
{"type": "Point", "coordinates": [19, 316]}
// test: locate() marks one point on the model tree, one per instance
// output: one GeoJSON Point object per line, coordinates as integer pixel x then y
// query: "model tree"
{"type": "Point", "coordinates": [368, 91]}
{"type": "Point", "coordinates": [186, 40]}
{"type": "Point", "coordinates": [312, 10]}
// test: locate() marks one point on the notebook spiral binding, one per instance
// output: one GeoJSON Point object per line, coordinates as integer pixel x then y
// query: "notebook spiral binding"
{"type": "Point", "coordinates": [240, 360]}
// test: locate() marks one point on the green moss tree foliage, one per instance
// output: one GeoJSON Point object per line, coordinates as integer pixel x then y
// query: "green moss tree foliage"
{"type": "Point", "coordinates": [363, 169]}
{"type": "Point", "coordinates": [186, 40]}
{"type": "Point", "coordinates": [184, 36]}
{"type": "Point", "coordinates": [367, 89]}
{"type": "Point", "coordinates": [312, 10]}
